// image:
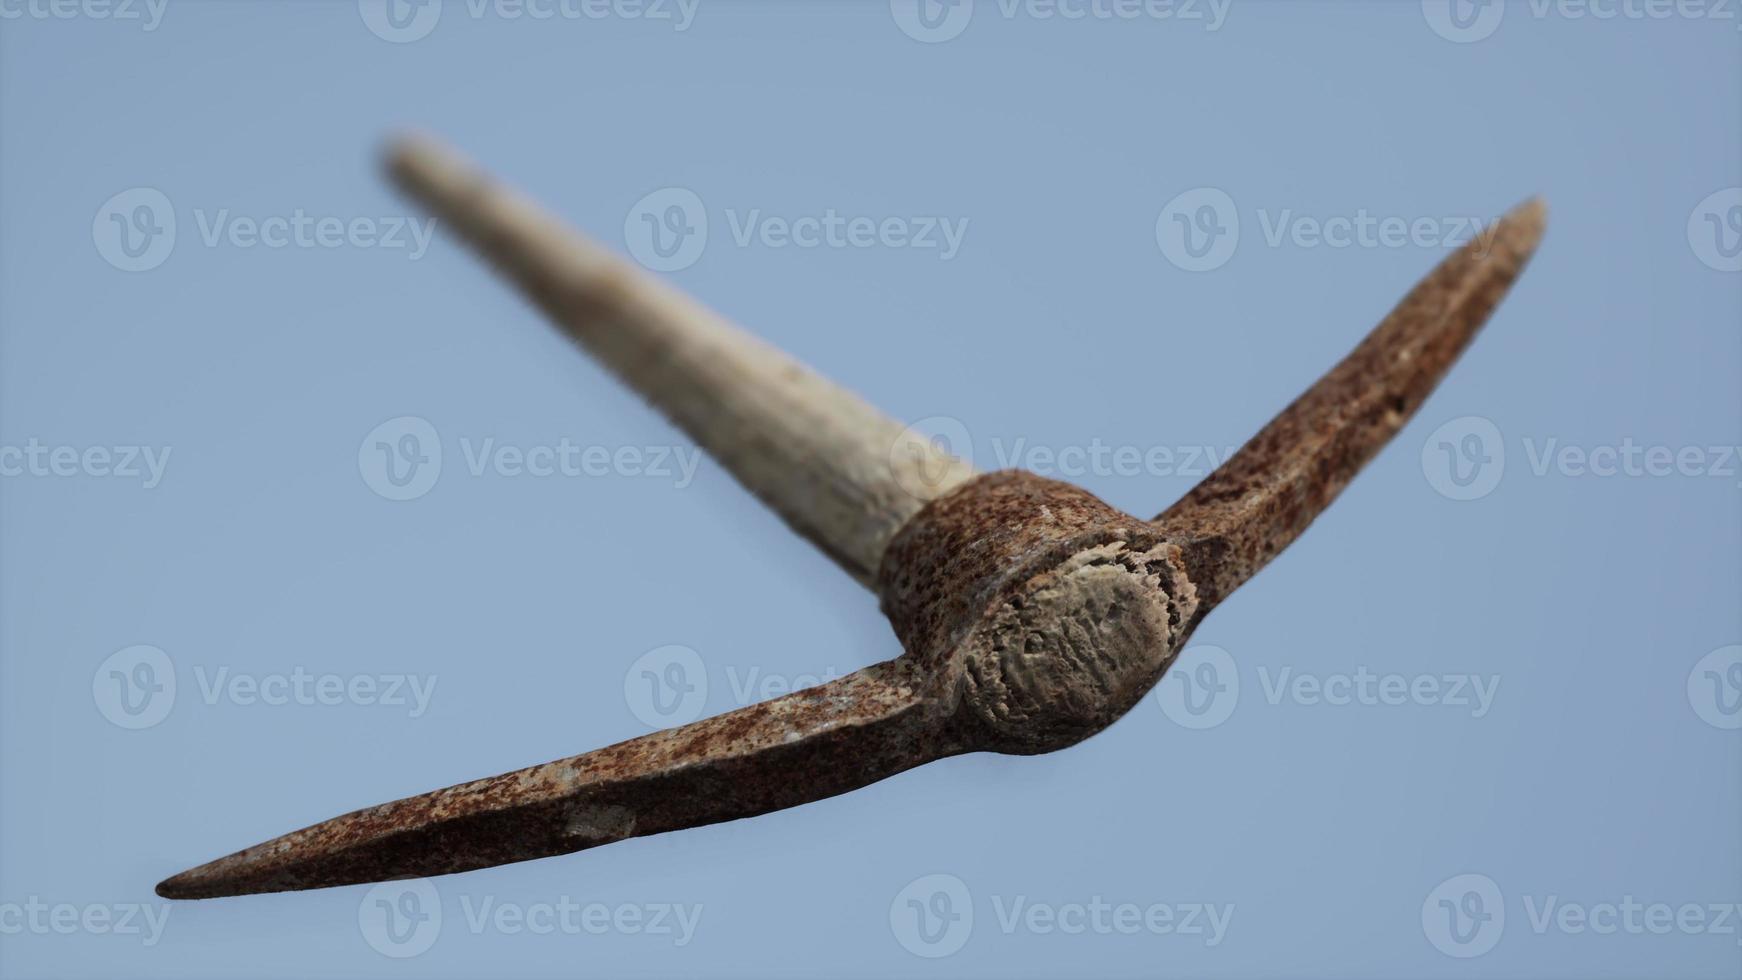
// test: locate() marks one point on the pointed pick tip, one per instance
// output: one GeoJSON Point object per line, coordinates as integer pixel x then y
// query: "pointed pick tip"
{"type": "Point", "coordinates": [403, 153]}
{"type": "Point", "coordinates": [279, 865]}
{"type": "Point", "coordinates": [255, 870]}
{"type": "Point", "coordinates": [211, 880]}
{"type": "Point", "coordinates": [181, 886]}
{"type": "Point", "coordinates": [407, 140]}
{"type": "Point", "coordinates": [1526, 222]}
{"type": "Point", "coordinates": [229, 877]}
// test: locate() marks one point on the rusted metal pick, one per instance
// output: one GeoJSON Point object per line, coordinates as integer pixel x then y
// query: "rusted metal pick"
{"type": "Point", "coordinates": [1032, 615]}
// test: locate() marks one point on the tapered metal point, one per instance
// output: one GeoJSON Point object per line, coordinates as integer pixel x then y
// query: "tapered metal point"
{"type": "Point", "coordinates": [1031, 614]}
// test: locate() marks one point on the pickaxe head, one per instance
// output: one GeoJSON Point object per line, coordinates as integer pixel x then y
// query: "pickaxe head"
{"type": "Point", "coordinates": [1032, 615]}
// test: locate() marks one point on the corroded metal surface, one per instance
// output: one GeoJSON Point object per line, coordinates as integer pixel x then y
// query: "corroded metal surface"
{"type": "Point", "coordinates": [1032, 615]}
{"type": "Point", "coordinates": [1262, 498]}
{"type": "Point", "coordinates": [1049, 612]}
{"type": "Point", "coordinates": [808, 745]}
{"type": "Point", "coordinates": [1001, 543]}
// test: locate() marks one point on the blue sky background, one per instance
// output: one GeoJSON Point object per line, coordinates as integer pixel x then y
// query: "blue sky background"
{"type": "Point", "coordinates": [1450, 834]}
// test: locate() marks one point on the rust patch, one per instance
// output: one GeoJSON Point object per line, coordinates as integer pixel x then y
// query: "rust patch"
{"type": "Point", "coordinates": [1032, 615]}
